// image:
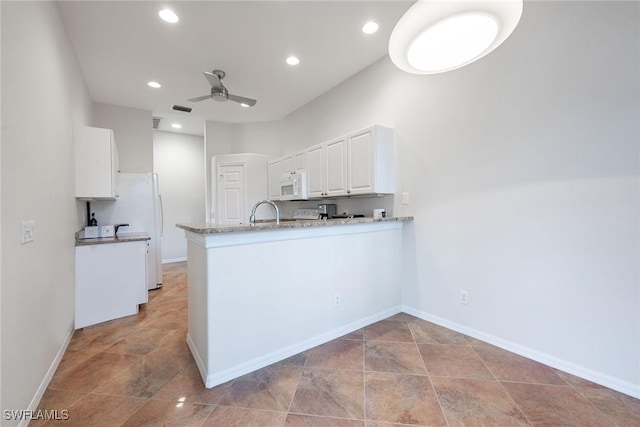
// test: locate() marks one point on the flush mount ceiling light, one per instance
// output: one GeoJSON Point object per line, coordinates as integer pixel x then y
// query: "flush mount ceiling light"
{"type": "Point", "coordinates": [370, 27]}
{"type": "Point", "coordinates": [176, 125]}
{"type": "Point", "coordinates": [242, 104]}
{"type": "Point", "coordinates": [435, 36]}
{"type": "Point", "coordinates": [293, 60]}
{"type": "Point", "coordinates": [154, 85]}
{"type": "Point", "coordinates": [169, 16]}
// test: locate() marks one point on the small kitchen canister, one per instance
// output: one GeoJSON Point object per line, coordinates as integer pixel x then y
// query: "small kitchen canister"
{"type": "Point", "coordinates": [379, 213]}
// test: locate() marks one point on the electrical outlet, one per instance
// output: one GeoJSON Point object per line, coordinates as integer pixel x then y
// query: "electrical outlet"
{"type": "Point", "coordinates": [27, 231]}
{"type": "Point", "coordinates": [336, 300]}
{"type": "Point", "coordinates": [464, 297]}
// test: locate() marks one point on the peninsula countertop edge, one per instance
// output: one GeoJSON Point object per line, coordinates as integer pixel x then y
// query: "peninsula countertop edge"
{"type": "Point", "coordinates": [208, 228]}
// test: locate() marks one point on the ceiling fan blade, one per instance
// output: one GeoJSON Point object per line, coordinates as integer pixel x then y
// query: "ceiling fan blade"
{"type": "Point", "coordinates": [199, 98]}
{"type": "Point", "coordinates": [213, 79]}
{"type": "Point", "coordinates": [242, 100]}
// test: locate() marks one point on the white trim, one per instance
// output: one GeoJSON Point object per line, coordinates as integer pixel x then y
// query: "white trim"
{"type": "Point", "coordinates": [279, 355]}
{"type": "Point", "coordinates": [544, 358]}
{"type": "Point", "coordinates": [196, 357]}
{"type": "Point", "coordinates": [172, 260]}
{"type": "Point", "coordinates": [33, 405]}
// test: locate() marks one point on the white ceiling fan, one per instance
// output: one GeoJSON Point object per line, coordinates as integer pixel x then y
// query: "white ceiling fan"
{"type": "Point", "coordinates": [219, 92]}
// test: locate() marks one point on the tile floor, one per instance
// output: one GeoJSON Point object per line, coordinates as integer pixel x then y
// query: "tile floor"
{"type": "Point", "coordinates": [402, 371]}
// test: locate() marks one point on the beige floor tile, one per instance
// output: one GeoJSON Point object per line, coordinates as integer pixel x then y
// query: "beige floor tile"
{"type": "Point", "coordinates": [337, 354]}
{"type": "Point", "coordinates": [188, 387]}
{"type": "Point", "coordinates": [388, 330]}
{"type": "Point", "coordinates": [400, 357]}
{"type": "Point", "coordinates": [402, 399]}
{"type": "Point", "coordinates": [227, 416]}
{"type": "Point", "coordinates": [93, 372]}
{"type": "Point", "coordinates": [96, 410]}
{"type": "Point", "coordinates": [453, 361]}
{"type": "Point", "coordinates": [298, 420]}
{"type": "Point", "coordinates": [555, 405]}
{"type": "Point", "coordinates": [468, 402]}
{"type": "Point", "coordinates": [156, 413]}
{"type": "Point", "coordinates": [429, 333]}
{"type": "Point", "coordinates": [270, 388]}
{"type": "Point", "coordinates": [331, 393]}
{"type": "Point", "coordinates": [512, 367]}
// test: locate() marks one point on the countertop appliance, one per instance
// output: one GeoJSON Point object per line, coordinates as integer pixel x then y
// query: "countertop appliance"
{"type": "Point", "coordinates": [139, 205]}
{"type": "Point", "coordinates": [305, 214]}
{"type": "Point", "coordinates": [293, 186]}
{"type": "Point", "coordinates": [326, 210]}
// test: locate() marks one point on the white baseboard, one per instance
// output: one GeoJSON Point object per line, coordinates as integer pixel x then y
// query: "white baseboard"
{"type": "Point", "coordinates": [214, 379]}
{"type": "Point", "coordinates": [33, 405]}
{"type": "Point", "coordinates": [554, 362]}
{"type": "Point", "coordinates": [172, 260]}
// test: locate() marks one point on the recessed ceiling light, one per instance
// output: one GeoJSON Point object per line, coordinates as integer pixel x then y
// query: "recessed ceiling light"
{"type": "Point", "coordinates": [169, 16]}
{"type": "Point", "coordinates": [292, 60]}
{"type": "Point", "coordinates": [370, 27]}
{"type": "Point", "coordinates": [436, 36]}
{"type": "Point", "coordinates": [242, 104]}
{"type": "Point", "coordinates": [154, 85]}
{"type": "Point", "coordinates": [176, 125]}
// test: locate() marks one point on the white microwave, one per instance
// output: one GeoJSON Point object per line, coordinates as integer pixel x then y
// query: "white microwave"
{"type": "Point", "coordinates": [293, 186]}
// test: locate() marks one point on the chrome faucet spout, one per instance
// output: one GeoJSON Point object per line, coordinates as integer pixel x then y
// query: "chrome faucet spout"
{"type": "Point", "coordinates": [252, 218]}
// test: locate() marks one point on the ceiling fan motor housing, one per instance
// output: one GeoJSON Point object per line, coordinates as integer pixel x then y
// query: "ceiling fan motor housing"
{"type": "Point", "coordinates": [220, 94]}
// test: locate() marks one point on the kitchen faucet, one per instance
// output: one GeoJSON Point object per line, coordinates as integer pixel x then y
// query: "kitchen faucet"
{"type": "Point", "coordinates": [252, 218]}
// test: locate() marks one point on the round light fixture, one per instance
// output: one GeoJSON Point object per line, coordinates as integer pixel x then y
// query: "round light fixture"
{"type": "Point", "coordinates": [176, 125]}
{"type": "Point", "coordinates": [293, 60]}
{"type": "Point", "coordinates": [370, 27]}
{"type": "Point", "coordinates": [436, 36]}
{"type": "Point", "coordinates": [169, 16]}
{"type": "Point", "coordinates": [154, 85]}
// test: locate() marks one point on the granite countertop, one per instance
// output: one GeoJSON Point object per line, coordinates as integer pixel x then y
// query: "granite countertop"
{"type": "Point", "coordinates": [122, 238]}
{"type": "Point", "coordinates": [207, 228]}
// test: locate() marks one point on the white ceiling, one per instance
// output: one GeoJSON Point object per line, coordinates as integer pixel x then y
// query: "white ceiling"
{"type": "Point", "coordinates": [121, 45]}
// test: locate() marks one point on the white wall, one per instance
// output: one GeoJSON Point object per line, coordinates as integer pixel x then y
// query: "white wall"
{"type": "Point", "coordinates": [522, 171]}
{"type": "Point", "coordinates": [38, 115]}
{"type": "Point", "coordinates": [133, 130]}
{"type": "Point", "coordinates": [177, 159]}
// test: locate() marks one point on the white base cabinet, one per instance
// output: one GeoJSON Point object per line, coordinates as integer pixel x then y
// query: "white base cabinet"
{"type": "Point", "coordinates": [111, 280]}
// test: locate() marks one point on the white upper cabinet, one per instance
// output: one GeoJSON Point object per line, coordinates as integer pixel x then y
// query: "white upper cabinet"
{"type": "Point", "coordinates": [96, 163]}
{"type": "Point", "coordinates": [335, 168]}
{"type": "Point", "coordinates": [299, 160]}
{"type": "Point", "coordinates": [287, 164]}
{"type": "Point", "coordinates": [274, 170]}
{"type": "Point", "coordinates": [370, 161]}
{"type": "Point", "coordinates": [315, 171]}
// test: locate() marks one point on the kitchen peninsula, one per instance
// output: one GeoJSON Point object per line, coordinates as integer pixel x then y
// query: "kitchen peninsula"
{"type": "Point", "coordinates": [260, 293]}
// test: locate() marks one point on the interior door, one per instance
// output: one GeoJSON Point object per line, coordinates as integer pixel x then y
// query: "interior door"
{"type": "Point", "coordinates": [231, 194]}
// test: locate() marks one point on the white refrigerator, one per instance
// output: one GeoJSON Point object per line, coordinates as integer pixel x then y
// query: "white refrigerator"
{"type": "Point", "coordinates": [139, 204]}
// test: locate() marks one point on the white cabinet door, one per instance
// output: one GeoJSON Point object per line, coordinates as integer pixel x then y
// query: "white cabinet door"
{"type": "Point", "coordinates": [287, 164]}
{"type": "Point", "coordinates": [370, 161]}
{"type": "Point", "coordinates": [274, 170]}
{"type": "Point", "coordinates": [299, 160]}
{"type": "Point", "coordinates": [335, 167]}
{"type": "Point", "coordinates": [96, 163]}
{"type": "Point", "coordinates": [230, 194]}
{"type": "Point", "coordinates": [315, 171]}
{"type": "Point", "coordinates": [111, 280]}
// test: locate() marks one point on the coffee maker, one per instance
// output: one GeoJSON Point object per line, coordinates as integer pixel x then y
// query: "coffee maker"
{"type": "Point", "coordinates": [326, 211]}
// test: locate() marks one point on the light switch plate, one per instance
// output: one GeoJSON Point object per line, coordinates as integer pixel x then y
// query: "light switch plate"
{"type": "Point", "coordinates": [27, 230]}
{"type": "Point", "coordinates": [405, 198]}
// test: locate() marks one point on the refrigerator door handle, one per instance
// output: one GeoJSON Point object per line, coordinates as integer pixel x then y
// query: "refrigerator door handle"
{"type": "Point", "coordinates": [161, 216]}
